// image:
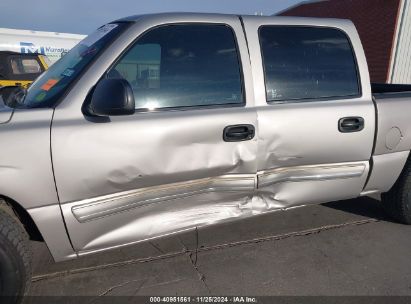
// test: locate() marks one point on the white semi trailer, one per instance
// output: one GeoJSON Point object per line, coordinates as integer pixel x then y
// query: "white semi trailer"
{"type": "Point", "coordinates": [53, 45]}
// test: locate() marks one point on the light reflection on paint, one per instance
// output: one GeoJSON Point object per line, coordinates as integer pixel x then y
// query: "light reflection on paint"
{"type": "Point", "coordinates": [151, 105]}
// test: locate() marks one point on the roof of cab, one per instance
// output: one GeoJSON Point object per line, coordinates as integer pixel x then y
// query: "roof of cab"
{"type": "Point", "coordinates": [173, 14]}
{"type": "Point", "coordinates": [177, 15]}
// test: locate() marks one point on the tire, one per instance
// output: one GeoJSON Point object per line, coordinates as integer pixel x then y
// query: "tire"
{"type": "Point", "coordinates": [15, 257]}
{"type": "Point", "coordinates": [397, 201]}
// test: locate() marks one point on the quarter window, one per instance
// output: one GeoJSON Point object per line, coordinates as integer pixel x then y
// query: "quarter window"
{"type": "Point", "coordinates": [183, 65]}
{"type": "Point", "coordinates": [307, 63]}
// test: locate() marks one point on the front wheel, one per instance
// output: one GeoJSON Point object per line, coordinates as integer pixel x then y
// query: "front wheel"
{"type": "Point", "coordinates": [15, 257]}
{"type": "Point", "coordinates": [397, 201]}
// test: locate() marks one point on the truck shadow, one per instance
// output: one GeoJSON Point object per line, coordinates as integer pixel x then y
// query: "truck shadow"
{"type": "Point", "coordinates": [363, 206]}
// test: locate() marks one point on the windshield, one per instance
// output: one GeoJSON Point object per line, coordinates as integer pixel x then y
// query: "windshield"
{"type": "Point", "coordinates": [51, 85]}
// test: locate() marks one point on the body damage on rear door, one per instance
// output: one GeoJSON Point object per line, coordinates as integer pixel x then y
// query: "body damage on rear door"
{"type": "Point", "coordinates": [303, 156]}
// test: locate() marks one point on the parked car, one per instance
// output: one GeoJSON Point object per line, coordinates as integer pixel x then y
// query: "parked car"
{"type": "Point", "coordinates": [17, 69]}
{"type": "Point", "coordinates": [158, 124]}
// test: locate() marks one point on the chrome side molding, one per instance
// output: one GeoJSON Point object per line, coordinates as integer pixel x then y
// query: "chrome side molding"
{"type": "Point", "coordinates": [311, 173]}
{"type": "Point", "coordinates": [90, 209]}
{"type": "Point", "coordinates": [94, 208]}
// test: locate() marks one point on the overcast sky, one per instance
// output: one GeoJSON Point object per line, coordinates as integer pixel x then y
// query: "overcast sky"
{"type": "Point", "coordinates": [83, 16]}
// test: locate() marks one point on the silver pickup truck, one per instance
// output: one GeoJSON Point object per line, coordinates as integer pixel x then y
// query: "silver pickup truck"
{"type": "Point", "coordinates": [158, 124]}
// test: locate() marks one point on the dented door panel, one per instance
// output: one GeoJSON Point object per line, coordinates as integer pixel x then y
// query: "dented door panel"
{"type": "Point", "coordinates": [134, 216]}
{"type": "Point", "coordinates": [150, 149]}
{"type": "Point", "coordinates": [307, 134]}
{"type": "Point", "coordinates": [289, 187]}
{"type": "Point", "coordinates": [301, 150]}
{"type": "Point", "coordinates": [159, 218]}
{"type": "Point", "coordinates": [147, 161]}
{"type": "Point", "coordinates": [131, 178]}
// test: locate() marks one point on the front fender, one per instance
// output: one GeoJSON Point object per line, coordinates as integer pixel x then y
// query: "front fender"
{"type": "Point", "coordinates": [26, 174]}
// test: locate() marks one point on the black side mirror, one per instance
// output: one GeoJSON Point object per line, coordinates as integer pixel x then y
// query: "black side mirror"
{"type": "Point", "coordinates": [111, 97]}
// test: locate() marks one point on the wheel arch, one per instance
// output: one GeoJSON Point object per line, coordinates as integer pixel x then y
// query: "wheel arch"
{"type": "Point", "coordinates": [24, 218]}
{"type": "Point", "coordinates": [44, 224]}
{"type": "Point", "coordinates": [386, 169]}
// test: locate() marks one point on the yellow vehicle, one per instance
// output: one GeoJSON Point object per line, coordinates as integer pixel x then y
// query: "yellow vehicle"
{"type": "Point", "coordinates": [17, 69]}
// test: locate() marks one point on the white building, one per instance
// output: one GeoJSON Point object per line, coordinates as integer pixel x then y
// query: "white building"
{"type": "Point", "coordinates": [400, 65]}
{"type": "Point", "coordinates": [53, 45]}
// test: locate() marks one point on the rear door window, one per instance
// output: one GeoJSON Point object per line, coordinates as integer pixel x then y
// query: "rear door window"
{"type": "Point", "coordinates": [183, 65]}
{"type": "Point", "coordinates": [307, 63]}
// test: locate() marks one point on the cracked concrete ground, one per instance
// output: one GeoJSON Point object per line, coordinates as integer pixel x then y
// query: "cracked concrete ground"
{"type": "Point", "coordinates": [339, 248]}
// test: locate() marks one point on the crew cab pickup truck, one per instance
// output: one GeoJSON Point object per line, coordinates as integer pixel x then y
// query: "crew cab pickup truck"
{"type": "Point", "coordinates": [158, 124]}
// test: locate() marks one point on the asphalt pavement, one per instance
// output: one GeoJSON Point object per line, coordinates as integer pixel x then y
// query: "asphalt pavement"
{"type": "Point", "coordinates": [341, 248]}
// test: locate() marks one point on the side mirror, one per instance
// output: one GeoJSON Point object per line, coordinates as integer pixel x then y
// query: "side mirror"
{"type": "Point", "coordinates": [111, 97]}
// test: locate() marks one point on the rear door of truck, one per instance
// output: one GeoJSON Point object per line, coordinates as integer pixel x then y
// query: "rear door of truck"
{"type": "Point", "coordinates": [316, 119]}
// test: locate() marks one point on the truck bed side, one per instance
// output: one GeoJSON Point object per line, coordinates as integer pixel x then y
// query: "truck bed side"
{"type": "Point", "coordinates": [393, 136]}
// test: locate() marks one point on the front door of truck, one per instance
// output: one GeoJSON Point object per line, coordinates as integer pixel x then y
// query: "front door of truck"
{"type": "Point", "coordinates": [315, 111]}
{"type": "Point", "coordinates": [186, 158]}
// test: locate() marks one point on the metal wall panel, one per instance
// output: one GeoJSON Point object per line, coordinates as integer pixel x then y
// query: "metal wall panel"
{"type": "Point", "coordinates": [401, 69]}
